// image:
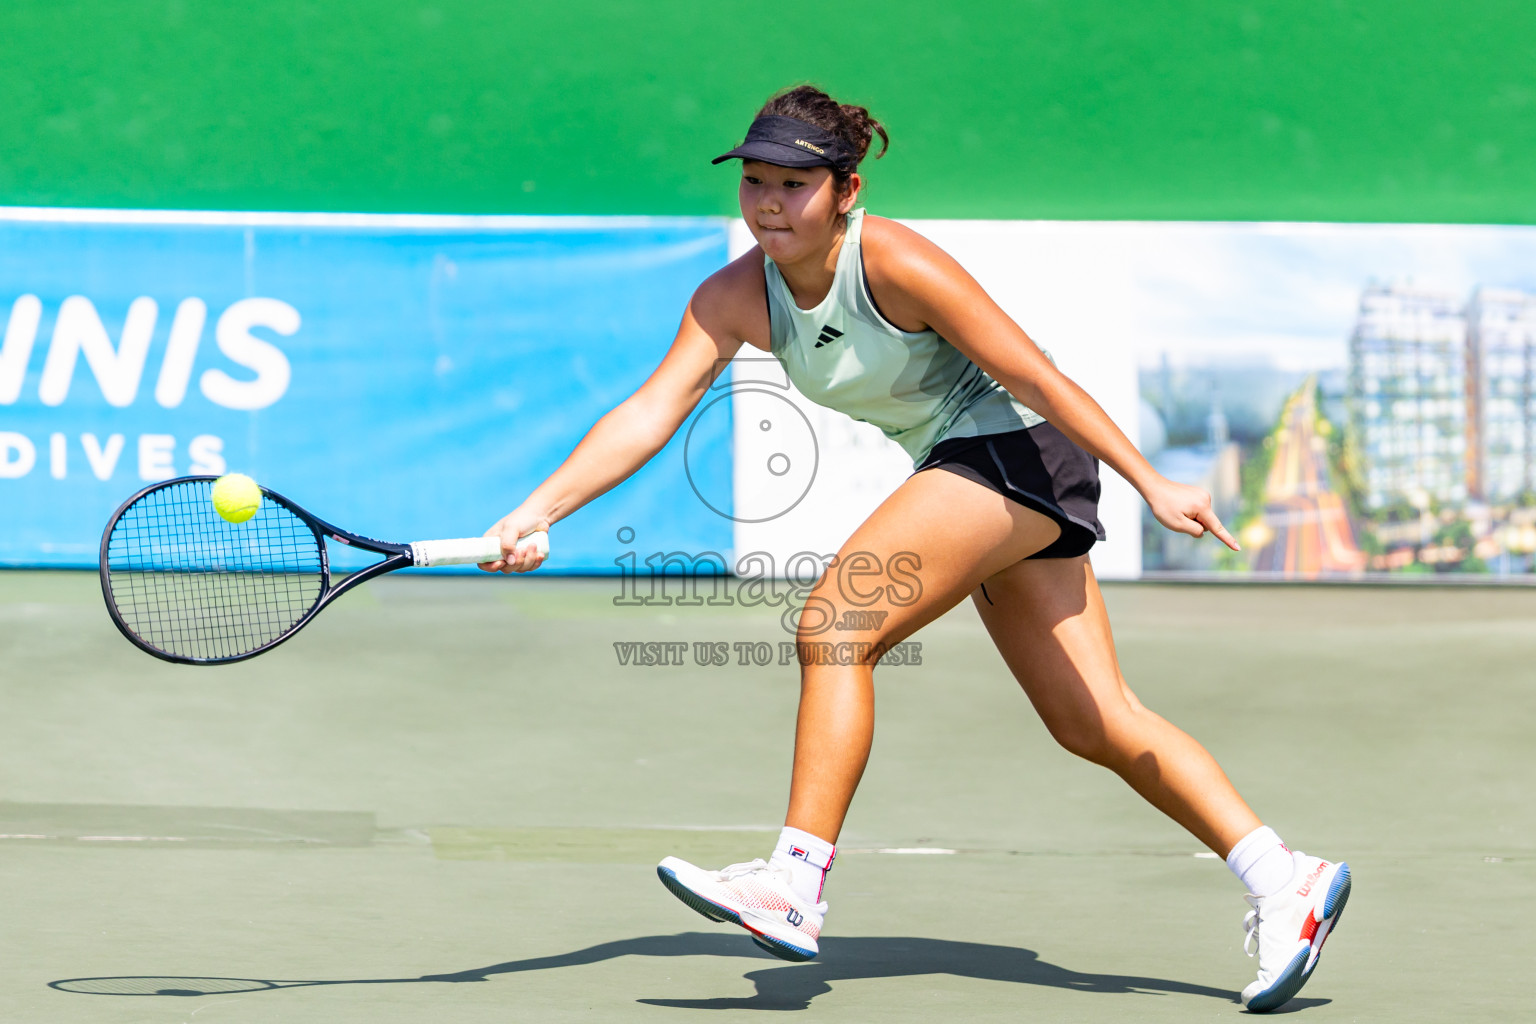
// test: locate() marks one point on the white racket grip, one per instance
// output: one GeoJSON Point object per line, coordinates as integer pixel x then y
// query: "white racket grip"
{"type": "Point", "coordinates": [470, 550]}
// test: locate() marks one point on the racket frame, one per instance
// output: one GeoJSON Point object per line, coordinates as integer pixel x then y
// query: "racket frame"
{"type": "Point", "coordinates": [397, 556]}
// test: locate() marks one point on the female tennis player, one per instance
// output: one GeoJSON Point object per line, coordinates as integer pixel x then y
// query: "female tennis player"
{"type": "Point", "coordinates": [870, 318]}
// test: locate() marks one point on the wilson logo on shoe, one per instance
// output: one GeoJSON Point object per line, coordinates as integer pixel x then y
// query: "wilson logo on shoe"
{"type": "Point", "coordinates": [1312, 879]}
{"type": "Point", "coordinates": [828, 334]}
{"type": "Point", "coordinates": [794, 917]}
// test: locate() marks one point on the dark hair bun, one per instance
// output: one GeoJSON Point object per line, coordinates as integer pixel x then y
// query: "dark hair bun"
{"type": "Point", "coordinates": [852, 123]}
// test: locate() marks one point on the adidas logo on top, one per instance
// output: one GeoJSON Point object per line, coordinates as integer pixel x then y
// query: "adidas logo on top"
{"type": "Point", "coordinates": [828, 334]}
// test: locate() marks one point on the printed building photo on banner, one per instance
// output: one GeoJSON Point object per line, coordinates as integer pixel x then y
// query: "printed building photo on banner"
{"type": "Point", "coordinates": [1358, 399]}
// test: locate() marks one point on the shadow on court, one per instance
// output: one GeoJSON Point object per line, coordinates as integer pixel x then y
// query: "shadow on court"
{"type": "Point", "coordinates": [782, 987]}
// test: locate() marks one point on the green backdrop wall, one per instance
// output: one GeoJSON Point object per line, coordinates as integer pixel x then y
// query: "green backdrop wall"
{"type": "Point", "coordinates": [1408, 110]}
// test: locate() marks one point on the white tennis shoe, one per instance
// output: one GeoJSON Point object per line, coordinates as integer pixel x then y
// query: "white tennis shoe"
{"type": "Point", "coordinates": [753, 895]}
{"type": "Point", "coordinates": [1287, 929]}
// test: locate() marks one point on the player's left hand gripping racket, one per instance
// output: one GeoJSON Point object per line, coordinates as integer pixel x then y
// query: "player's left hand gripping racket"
{"type": "Point", "coordinates": [187, 586]}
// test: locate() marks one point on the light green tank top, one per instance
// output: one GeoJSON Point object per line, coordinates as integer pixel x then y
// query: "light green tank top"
{"type": "Point", "coordinates": [916, 387]}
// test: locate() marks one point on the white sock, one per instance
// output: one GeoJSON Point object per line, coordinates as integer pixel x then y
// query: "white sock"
{"type": "Point", "coordinates": [807, 859]}
{"type": "Point", "coordinates": [1261, 862]}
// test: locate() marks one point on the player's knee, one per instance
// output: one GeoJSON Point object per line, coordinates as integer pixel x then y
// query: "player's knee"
{"type": "Point", "coordinates": [1104, 736]}
{"type": "Point", "coordinates": [829, 632]}
{"type": "Point", "coordinates": [817, 618]}
{"type": "Point", "coordinates": [1083, 736]}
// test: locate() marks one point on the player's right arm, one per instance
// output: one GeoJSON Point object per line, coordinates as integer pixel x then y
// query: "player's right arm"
{"type": "Point", "coordinates": [625, 439]}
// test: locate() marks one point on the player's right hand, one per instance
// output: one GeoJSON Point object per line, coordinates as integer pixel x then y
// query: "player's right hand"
{"type": "Point", "coordinates": [524, 557]}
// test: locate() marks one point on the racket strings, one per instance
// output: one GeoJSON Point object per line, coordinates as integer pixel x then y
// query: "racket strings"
{"type": "Point", "coordinates": [191, 584]}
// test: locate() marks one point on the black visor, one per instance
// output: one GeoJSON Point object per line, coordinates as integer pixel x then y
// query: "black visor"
{"type": "Point", "coordinates": [791, 142]}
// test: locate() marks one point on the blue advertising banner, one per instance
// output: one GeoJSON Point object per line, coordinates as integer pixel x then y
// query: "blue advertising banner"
{"type": "Point", "coordinates": [404, 377]}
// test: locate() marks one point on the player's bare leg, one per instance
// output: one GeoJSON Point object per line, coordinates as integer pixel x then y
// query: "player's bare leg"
{"type": "Point", "coordinates": [918, 555]}
{"type": "Point", "coordinates": [1048, 621]}
{"type": "Point", "coordinates": [1047, 618]}
{"type": "Point", "coordinates": [938, 538]}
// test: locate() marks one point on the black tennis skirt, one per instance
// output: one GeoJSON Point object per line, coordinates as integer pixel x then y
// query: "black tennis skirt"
{"type": "Point", "coordinates": [1040, 468]}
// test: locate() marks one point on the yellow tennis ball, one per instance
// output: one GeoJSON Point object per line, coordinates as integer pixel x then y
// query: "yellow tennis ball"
{"type": "Point", "coordinates": [236, 497]}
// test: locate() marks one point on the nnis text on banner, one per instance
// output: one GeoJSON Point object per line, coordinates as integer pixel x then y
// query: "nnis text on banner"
{"type": "Point", "coordinates": [119, 370]}
{"type": "Point", "coordinates": [409, 375]}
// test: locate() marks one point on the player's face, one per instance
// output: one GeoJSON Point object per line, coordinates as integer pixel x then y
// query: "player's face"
{"type": "Point", "coordinates": [792, 211]}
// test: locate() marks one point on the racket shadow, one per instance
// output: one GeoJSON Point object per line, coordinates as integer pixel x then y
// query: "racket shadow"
{"type": "Point", "coordinates": [778, 986]}
{"type": "Point", "coordinates": [184, 985]}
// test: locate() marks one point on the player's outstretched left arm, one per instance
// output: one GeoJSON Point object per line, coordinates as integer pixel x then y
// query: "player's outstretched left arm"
{"type": "Point", "coordinates": [637, 428]}
{"type": "Point", "coordinates": [926, 287]}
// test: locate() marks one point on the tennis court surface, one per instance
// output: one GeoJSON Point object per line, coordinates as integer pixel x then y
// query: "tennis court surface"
{"type": "Point", "coordinates": [444, 801]}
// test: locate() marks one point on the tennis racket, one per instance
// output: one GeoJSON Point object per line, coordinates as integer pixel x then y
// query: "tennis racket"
{"type": "Point", "coordinates": [187, 586]}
